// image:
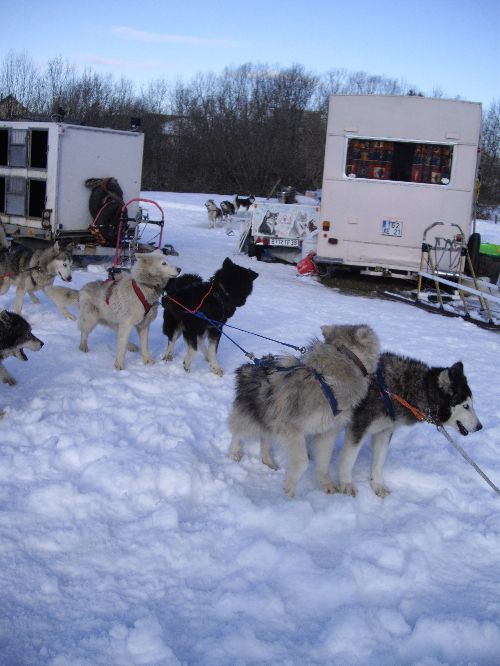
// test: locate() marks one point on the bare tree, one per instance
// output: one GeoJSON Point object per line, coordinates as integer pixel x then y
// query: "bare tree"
{"type": "Point", "coordinates": [20, 79]}
{"type": "Point", "coordinates": [490, 156]}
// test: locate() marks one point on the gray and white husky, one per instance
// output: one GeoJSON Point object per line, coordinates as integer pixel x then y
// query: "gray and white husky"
{"type": "Point", "coordinates": [214, 213]}
{"type": "Point", "coordinates": [33, 270]}
{"type": "Point", "coordinates": [442, 394]}
{"type": "Point", "coordinates": [15, 336]}
{"type": "Point", "coordinates": [283, 398]}
{"type": "Point", "coordinates": [122, 303]}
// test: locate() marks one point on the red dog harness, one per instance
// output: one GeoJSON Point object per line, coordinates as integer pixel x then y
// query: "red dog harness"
{"type": "Point", "coordinates": [145, 303]}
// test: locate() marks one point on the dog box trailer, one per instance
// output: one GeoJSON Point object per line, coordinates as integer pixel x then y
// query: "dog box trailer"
{"type": "Point", "coordinates": [281, 228]}
{"type": "Point", "coordinates": [394, 166]}
{"type": "Point", "coordinates": [43, 169]}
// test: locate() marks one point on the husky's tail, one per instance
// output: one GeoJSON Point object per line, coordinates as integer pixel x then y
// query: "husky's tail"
{"type": "Point", "coordinates": [63, 296]}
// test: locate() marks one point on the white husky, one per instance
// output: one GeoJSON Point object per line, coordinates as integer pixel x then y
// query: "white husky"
{"type": "Point", "coordinates": [121, 303]}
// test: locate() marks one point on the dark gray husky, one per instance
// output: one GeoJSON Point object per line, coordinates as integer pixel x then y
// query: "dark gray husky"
{"type": "Point", "coordinates": [288, 398]}
{"type": "Point", "coordinates": [442, 394]}
{"type": "Point", "coordinates": [15, 334]}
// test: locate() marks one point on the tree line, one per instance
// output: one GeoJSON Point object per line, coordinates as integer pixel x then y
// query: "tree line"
{"type": "Point", "coordinates": [247, 129]}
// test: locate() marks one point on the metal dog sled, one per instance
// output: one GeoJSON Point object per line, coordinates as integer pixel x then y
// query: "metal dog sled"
{"type": "Point", "coordinates": [447, 282]}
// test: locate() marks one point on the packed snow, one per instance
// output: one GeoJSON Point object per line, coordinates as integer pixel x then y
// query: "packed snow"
{"type": "Point", "coordinates": [129, 537]}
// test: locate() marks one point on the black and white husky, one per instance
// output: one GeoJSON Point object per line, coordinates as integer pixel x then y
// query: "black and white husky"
{"type": "Point", "coordinates": [227, 208]}
{"type": "Point", "coordinates": [442, 394]}
{"type": "Point", "coordinates": [216, 299]}
{"type": "Point", "coordinates": [243, 202]}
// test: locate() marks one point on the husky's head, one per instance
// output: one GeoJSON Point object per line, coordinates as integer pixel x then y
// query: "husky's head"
{"type": "Point", "coordinates": [358, 338]}
{"type": "Point", "coordinates": [153, 269]}
{"type": "Point", "coordinates": [59, 262]}
{"type": "Point", "coordinates": [235, 282]}
{"type": "Point", "coordinates": [15, 333]}
{"type": "Point", "coordinates": [456, 408]}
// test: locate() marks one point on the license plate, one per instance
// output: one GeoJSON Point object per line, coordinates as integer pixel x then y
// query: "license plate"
{"type": "Point", "coordinates": [284, 242]}
{"type": "Point", "coordinates": [392, 228]}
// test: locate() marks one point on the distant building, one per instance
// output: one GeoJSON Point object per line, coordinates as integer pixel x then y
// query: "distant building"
{"type": "Point", "coordinates": [11, 109]}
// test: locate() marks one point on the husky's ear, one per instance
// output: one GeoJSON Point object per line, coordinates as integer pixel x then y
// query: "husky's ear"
{"type": "Point", "coordinates": [4, 317]}
{"type": "Point", "coordinates": [327, 332]}
{"type": "Point", "coordinates": [227, 263]}
{"type": "Point", "coordinates": [444, 380]}
{"type": "Point", "coordinates": [456, 372]}
{"type": "Point", "coordinates": [56, 246]}
{"type": "Point", "coordinates": [363, 334]}
{"type": "Point", "coordinates": [253, 275]}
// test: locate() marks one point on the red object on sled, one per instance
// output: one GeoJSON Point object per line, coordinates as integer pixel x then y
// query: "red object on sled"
{"type": "Point", "coordinates": [306, 266]}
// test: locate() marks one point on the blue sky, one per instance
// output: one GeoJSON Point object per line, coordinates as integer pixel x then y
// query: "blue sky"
{"type": "Point", "coordinates": [453, 45]}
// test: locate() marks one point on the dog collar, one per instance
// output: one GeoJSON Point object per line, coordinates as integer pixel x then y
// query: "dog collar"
{"type": "Point", "coordinates": [355, 359]}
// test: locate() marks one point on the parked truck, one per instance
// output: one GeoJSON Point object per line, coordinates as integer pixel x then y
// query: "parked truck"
{"type": "Point", "coordinates": [394, 166]}
{"type": "Point", "coordinates": [43, 170]}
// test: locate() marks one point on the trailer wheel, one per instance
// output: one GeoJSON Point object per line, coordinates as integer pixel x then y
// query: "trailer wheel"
{"type": "Point", "coordinates": [473, 247]}
{"type": "Point", "coordinates": [255, 250]}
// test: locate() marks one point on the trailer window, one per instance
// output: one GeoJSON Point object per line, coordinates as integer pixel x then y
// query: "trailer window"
{"type": "Point", "coordinates": [36, 197]}
{"type": "Point", "coordinates": [17, 147]}
{"type": "Point", "coordinates": [399, 160]}
{"type": "Point", "coordinates": [4, 146]}
{"type": "Point", "coordinates": [15, 198]}
{"type": "Point", "coordinates": [38, 149]}
{"type": "Point", "coordinates": [2, 194]}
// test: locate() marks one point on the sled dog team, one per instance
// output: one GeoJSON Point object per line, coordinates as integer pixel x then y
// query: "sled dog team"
{"type": "Point", "coordinates": [227, 208]}
{"type": "Point", "coordinates": [341, 381]}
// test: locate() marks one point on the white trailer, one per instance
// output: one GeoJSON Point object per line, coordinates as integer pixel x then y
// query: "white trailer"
{"type": "Point", "coordinates": [394, 165]}
{"type": "Point", "coordinates": [43, 169]}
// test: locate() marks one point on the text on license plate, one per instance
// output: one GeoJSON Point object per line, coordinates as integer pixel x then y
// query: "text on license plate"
{"type": "Point", "coordinates": [284, 242]}
{"type": "Point", "coordinates": [392, 228]}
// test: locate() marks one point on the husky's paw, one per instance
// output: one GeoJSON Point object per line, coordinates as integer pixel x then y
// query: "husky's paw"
{"type": "Point", "coordinates": [217, 371]}
{"type": "Point", "coordinates": [379, 489]}
{"type": "Point", "coordinates": [270, 463]}
{"type": "Point", "coordinates": [186, 367]}
{"type": "Point", "coordinates": [9, 380]}
{"type": "Point", "coordinates": [168, 357]}
{"type": "Point", "coordinates": [348, 489]}
{"type": "Point", "coordinates": [68, 315]}
{"type": "Point", "coordinates": [119, 365]}
{"type": "Point", "coordinates": [131, 347]}
{"type": "Point", "coordinates": [329, 488]}
{"type": "Point", "coordinates": [236, 453]}
{"type": "Point", "coordinates": [149, 360]}
{"type": "Point", "coordinates": [289, 489]}
{"type": "Point", "coordinates": [83, 347]}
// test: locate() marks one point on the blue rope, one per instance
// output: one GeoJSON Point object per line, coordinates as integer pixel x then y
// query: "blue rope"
{"type": "Point", "coordinates": [384, 393]}
{"type": "Point", "coordinates": [326, 388]}
{"type": "Point", "coordinates": [219, 326]}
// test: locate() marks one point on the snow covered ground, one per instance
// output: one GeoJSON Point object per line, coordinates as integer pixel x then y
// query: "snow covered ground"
{"type": "Point", "coordinates": [127, 536]}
